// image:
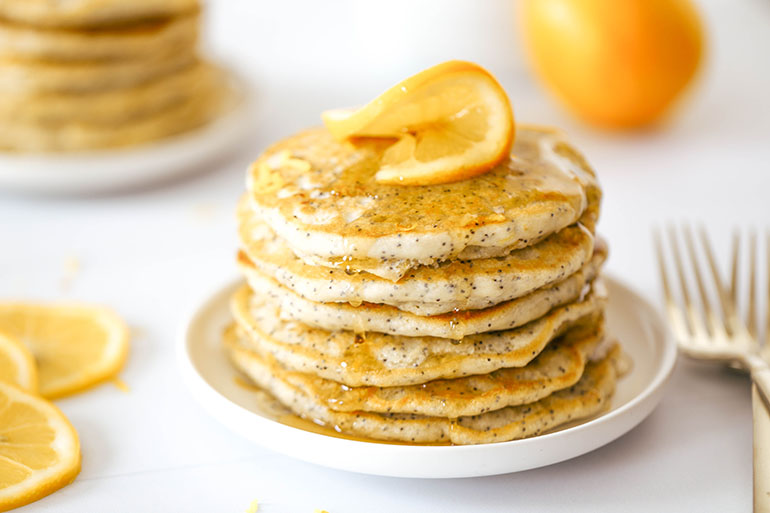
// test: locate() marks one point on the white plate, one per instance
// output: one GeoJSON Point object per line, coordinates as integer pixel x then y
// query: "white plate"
{"type": "Point", "coordinates": [631, 319]}
{"type": "Point", "coordinates": [112, 170]}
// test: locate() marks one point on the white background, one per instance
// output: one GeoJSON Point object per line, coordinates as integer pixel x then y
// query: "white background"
{"type": "Point", "coordinates": [151, 254]}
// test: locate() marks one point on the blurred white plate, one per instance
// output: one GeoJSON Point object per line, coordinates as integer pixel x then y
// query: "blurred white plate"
{"type": "Point", "coordinates": [112, 170]}
{"type": "Point", "coordinates": [214, 383]}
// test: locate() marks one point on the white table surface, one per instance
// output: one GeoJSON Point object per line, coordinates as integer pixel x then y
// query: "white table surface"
{"type": "Point", "coordinates": [151, 254]}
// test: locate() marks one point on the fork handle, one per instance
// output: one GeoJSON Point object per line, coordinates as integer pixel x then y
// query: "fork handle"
{"type": "Point", "coordinates": [760, 392]}
{"type": "Point", "coordinates": [761, 416]}
{"type": "Point", "coordinates": [760, 374]}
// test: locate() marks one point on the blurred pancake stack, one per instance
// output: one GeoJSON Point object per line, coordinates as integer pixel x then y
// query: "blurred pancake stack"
{"type": "Point", "coordinates": [91, 74]}
{"type": "Point", "coordinates": [459, 313]}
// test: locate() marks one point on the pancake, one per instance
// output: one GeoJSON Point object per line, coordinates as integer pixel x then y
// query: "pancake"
{"type": "Point", "coordinates": [378, 359]}
{"type": "Point", "coordinates": [175, 119]}
{"type": "Point", "coordinates": [90, 13]}
{"type": "Point", "coordinates": [559, 366]}
{"type": "Point", "coordinates": [425, 290]}
{"type": "Point", "coordinates": [111, 106]}
{"type": "Point", "coordinates": [321, 197]}
{"type": "Point", "coordinates": [134, 41]}
{"type": "Point", "coordinates": [24, 76]}
{"type": "Point", "coordinates": [589, 396]}
{"type": "Point", "coordinates": [371, 317]}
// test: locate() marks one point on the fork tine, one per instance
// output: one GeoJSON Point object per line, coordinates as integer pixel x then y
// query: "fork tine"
{"type": "Point", "coordinates": [751, 317]}
{"type": "Point", "coordinates": [678, 322]}
{"type": "Point", "coordinates": [714, 324]}
{"type": "Point", "coordinates": [767, 297]}
{"type": "Point", "coordinates": [728, 308]}
{"type": "Point", "coordinates": [734, 268]}
{"type": "Point", "coordinates": [697, 327]}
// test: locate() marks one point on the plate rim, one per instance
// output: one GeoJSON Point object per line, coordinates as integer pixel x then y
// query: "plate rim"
{"type": "Point", "coordinates": [632, 412]}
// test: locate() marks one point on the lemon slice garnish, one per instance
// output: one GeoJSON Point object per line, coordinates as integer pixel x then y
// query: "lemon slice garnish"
{"type": "Point", "coordinates": [75, 347]}
{"type": "Point", "coordinates": [17, 366]}
{"type": "Point", "coordinates": [448, 123]}
{"type": "Point", "coordinates": [39, 448]}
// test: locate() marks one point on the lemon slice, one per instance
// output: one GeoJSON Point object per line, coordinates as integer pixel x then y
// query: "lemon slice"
{"type": "Point", "coordinates": [39, 448]}
{"type": "Point", "coordinates": [448, 123]}
{"type": "Point", "coordinates": [75, 347]}
{"type": "Point", "coordinates": [17, 366]}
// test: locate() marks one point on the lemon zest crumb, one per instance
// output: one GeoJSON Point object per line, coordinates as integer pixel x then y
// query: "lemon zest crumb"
{"type": "Point", "coordinates": [120, 384]}
{"type": "Point", "coordinates": [205, 211]}
{"type": "Point", "coordinates": [71, 269]}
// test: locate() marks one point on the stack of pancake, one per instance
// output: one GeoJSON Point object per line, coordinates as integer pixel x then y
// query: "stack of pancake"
{"type": "Point", "coordinates": [468, 312]}
{"type": "Point", "coordinates": [88, 74]}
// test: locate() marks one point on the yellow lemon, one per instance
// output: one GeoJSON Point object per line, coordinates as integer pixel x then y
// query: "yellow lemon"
{"type": "Point", "coordinates": [448, 122]}
{"type": "Point", "coordinates": [617, 64]}
{"type": "Point", "coordinates": [39, 448]}
{"type": "Point", "coordinates": [75, 347]}
{"type": "Point", "coordinates": [17, 366]}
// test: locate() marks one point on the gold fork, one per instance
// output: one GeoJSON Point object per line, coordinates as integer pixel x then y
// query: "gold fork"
{"type": "Point", "coordinates": [724, 336]}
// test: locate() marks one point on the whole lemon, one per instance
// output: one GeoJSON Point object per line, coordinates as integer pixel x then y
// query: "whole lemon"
{"type": "Point", "coordinates": [614, 63]}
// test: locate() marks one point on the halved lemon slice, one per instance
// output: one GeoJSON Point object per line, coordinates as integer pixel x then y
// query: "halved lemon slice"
{"type": "Point", "coordinates": [449, 122]}
{"type": "Point", "coordinates": [17, 366]}
{"type": "Point", "coordinates": [75, 347]}
{"type": "Point", "coordinates": [39, 448]}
